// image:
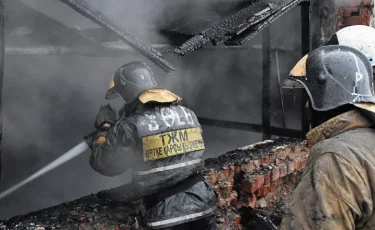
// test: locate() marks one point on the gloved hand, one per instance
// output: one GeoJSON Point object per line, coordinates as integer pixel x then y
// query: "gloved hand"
{"type": "Point", "coordinates": [89, 138]}
{"type": "Point", "coordinates": [106, 115]}
{"type": "Point", "coordinates": [92, 137]}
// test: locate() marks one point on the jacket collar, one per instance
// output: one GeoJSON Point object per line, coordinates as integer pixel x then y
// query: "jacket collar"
{"type": "Point", "coordinates": [337, 125]}
{"type": "Point", "coordinates": [128, 109]}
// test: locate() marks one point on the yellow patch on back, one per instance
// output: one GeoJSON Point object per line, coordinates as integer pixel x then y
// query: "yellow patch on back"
{"type": "Point", "coordinates": [172, 143]}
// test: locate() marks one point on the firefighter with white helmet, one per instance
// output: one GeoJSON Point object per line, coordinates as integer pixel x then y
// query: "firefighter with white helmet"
{"type": "Point", "coordinates": [359, 37]}
{"type": "Point", "coordinates": [336, 188]}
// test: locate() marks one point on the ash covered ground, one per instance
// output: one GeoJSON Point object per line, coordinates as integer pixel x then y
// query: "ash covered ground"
{"type": "Point", "coordinates": [119, 210]}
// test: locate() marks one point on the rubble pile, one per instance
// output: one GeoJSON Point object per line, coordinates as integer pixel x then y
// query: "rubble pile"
{"type": "Point", "coordinates": [253, 184]}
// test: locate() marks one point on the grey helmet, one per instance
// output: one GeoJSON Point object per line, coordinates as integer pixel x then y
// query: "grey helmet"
{"type": "Point", "coordinates": [130, 80]}
{"type": "Point", "coordinates": [337, 75]}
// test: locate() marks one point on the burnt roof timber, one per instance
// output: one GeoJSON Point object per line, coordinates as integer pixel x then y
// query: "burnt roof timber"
{"type": "Point", "coordinates": [99, 18]}
{"type": "Point", "coordinates": [112, 50]}
{"type": "Point", "coordinates": [253, 30]}
{"type": "Point", "coordinates": [58, 33]}
{"type": "Point", "coordinates": [238, 27]}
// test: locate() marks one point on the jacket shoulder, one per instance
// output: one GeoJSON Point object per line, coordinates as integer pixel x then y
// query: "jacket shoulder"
{"type": "Point", "coordinates": [354, 145]}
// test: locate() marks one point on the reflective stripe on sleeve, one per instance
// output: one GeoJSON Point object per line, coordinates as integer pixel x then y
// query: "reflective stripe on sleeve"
{"type": "Point", "coordinates": [169, 167]}
{"type": "Point", "coordinates": [180, 219]}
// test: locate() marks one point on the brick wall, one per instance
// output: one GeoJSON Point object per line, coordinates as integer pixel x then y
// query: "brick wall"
{"type": "Point", "coordinates": [357, 12]}
{"type": "Point", "coordinates": [260, 177]}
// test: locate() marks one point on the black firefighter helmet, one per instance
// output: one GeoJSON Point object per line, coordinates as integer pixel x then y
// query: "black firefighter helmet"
{"type": "Point", "coordinates": [136, 80]}
{"type": "Point", "coordinates": [337, 75]}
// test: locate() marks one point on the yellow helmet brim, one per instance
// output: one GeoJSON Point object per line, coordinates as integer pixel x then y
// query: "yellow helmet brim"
{"type": "Point", "coordinates": [111, 92]}
{"type": "Point", "coordinates": [299, 70]}
{"type": "Point", "coordinates": [366, 106]}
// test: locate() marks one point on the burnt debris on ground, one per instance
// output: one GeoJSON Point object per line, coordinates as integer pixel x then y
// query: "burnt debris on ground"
{"type": "Point", "coordinates": [253, 184]}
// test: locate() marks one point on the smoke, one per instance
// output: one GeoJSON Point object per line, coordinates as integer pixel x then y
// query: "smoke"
{"type": "Point", "coordinates": [50, 102]}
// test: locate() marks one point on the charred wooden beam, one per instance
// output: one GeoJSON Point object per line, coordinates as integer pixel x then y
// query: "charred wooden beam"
{"type": "Point", "coordinates": [266, 83]}
{"type": "Point", "coordinates": [99, 18]}
{"type": "Point", "coordinates": [2, 26]}
{"type": "Point", "coordinates": [305, 41]}
{"type": "Point", "coordinates": [323, 21]}
{"type": "Point", "coordinates": [258, 27]}
{"type": "Point", "coordinates": [231, 26]}
{"type": "Point", "coordinates": [112, 50]}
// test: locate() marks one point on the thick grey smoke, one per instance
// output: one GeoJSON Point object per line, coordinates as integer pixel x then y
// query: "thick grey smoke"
{"type": "Point", "coordinates": [50, 102]}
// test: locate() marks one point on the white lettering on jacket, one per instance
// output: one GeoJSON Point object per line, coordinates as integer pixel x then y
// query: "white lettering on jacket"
{"type": "Point", "coordinates": [172, 118]}
{"type": "Point", "coordinates": [153, 124]}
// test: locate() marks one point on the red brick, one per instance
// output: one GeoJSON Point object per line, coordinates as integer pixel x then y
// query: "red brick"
{"type": "Point", "coordinates": [281, 154]}
{"type": "Point", "coordinates": [232, 200]}
{"type": "Point", "coordinates": [223, 174]}
{"type": "Point", "coordinates": [237, 221]}
{"type": "Point", "coordinates": [252, 183]}
{"type": "Point", "coordinates": [235, 168]}
{"type": "Point", "coordinates": [221, 202]}
{"type": "Point", "coordinates": [272, 187]}
{"type": "Point", "coordinates": [291, 157]}
{"type": "Point", "coordinates": [295, 178]}
{"type": "Point", "coordinates": [283, 170]}
{"type": "Point", "coordinates": [225, 189]}
{"type": "Point", "coordinates": [256, 163]}
{"type": "Point", "coordinates": [265, 159]}
{"type": "Point", "coordinates": [267, 178]}
{"type": "Point", "coordinates": [263, 191]}
{"type": "Point", "coordinates": [291, 166]}
{"type": "Point", "coordinates": [272, 157]}
{"type": "Point", "coordinates": [275, 174]}
{"type": "Point", "coordinates": [212, 177]}
{"type": "Point", "coordinates": [348, 11]}
{"type": "Point", "coordinates": [300, 163]}
{"type": "Point", "coordinates": [248, 200]}
{"type": "Point", "coordinates": [303, 163]}
{"type": "Point", "coordinates": [248, 166]}
{"type": "Point", "coordinates": [357, 20]}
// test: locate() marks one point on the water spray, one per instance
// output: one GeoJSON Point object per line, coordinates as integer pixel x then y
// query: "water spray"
{"type": "Point", "coordinates": [72, 153]}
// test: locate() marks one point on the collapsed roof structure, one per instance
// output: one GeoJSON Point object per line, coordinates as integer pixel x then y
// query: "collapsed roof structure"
{"type": "Point", "coordinates": [229, 23]}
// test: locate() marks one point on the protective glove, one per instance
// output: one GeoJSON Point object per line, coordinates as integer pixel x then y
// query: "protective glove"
{"type": "Point", "coordinates": [89, 138]}
{"type": "Point", "coordinates": [96, 136]}
{"type": "Point", "coordinates": [106, 115]}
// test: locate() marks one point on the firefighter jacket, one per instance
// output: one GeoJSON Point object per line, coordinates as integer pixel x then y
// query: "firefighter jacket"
{"type": "Point", "coordinates": [163, 145]}
{"type": "Point", "coordinates": [337, 186]}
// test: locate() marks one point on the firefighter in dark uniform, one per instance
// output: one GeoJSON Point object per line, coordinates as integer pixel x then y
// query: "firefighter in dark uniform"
{"type": "Point", "coordinates": [337, 187]}
{"type": "Point", "coordinates": [162, 142]}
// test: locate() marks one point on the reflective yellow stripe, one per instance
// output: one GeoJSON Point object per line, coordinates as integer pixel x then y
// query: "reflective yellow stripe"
{"type": "Point", "coordinates": [100, 140]}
